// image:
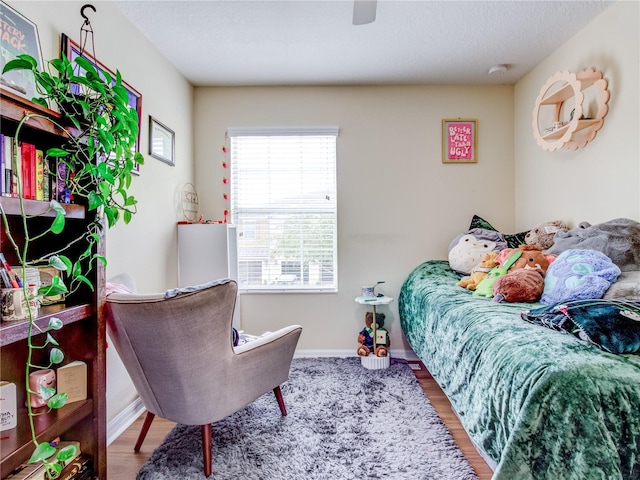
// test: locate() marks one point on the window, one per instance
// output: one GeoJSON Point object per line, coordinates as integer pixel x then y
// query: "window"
{"type": "Point", "coordinates": [283, 202]}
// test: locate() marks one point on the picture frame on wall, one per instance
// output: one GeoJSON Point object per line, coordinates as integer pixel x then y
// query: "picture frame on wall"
{"type": "Point", "coordinates": [162, 142]}
{"type": "Point", "coordinates": [460, 140]}
{"type": "Point", "coordinates": [72, 50]}
{"type": "Point", "coordinates": [21, 38]}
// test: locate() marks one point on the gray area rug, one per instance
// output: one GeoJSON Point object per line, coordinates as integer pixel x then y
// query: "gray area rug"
{"type": "Point", "coordinates": [343, 422]}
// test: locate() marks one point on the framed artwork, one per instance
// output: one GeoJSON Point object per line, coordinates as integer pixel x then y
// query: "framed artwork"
{"type": "Point", "coordinates": [72, 50]}
{"type": "Point", "coordinates": [460, 140]}
{"type": "Point", "coordinates": [20, 36]}
{"type": "Point", "coordinates": [162, 142]}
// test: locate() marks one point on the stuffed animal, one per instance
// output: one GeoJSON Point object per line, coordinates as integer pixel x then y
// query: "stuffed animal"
{"type": "Point", "coordinates": [522, 285]}
{"type": "Point", "coordinates": [578, 275]}
{"type": "Point", "coordinates": [485, 287]}
{"type": "Point", "coordinates": [542, 235]}
{"type": "Point", "coordinates": [468, 252]}
{"type": "Point", "coordinates": [365, 337]}
{"type": "Point", "coordinates": [479, 271]}
{"type": "Point", "coordinates": [532, 257]}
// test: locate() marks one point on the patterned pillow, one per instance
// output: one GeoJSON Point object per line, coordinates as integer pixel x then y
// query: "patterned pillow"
{"type": "Point", "coordinates": [514, 240]}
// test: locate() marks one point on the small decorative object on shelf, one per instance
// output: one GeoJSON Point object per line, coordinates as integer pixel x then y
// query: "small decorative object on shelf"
{"type": "Point", "coordinates": [570, 109]}
{"type": "Point", "coordinates": [189, 202]}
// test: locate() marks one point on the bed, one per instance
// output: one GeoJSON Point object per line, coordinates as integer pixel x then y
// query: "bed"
{"type": "Point", "coordinates": [539, 404]}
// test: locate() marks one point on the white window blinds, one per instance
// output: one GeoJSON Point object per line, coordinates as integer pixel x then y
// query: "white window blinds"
{"type": "Point", "coordinates": [283, 201]}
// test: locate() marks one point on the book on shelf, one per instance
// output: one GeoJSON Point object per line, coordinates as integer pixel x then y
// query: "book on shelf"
{"type": "Point", "coordinates": [80, 468]}
{"type": "Point", "coordinates": [40, 174]}
{"type": "Point", "coordinates": [72, 380]}
{"type": "Point", "coordinates": [7, 165]}
{"type": "Point", "coordinates": [61, 182]}
{"type": "Point", "coordinates": [27, 165]}
{"type": "Point", "coordinates": [8, 406]}
{"type": "Point", "coordinates": [27, 471]}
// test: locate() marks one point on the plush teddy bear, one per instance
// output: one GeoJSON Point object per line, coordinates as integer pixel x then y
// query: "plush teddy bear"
{"type": "Point", "coordinates": [365, 337]}
{"type": "Point", "coordinates": [479, 272]}
{"type": "Point", "coordinates": [542, 235]}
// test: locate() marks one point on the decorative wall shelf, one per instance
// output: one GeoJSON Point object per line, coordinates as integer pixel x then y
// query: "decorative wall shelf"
{"type": "Point", "coordinates": [570, 109]}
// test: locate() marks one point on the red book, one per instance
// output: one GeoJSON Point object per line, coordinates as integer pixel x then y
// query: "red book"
{"type": "Point", "coordinates": [28, 170]}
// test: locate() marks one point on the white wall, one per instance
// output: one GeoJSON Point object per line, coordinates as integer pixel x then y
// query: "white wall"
{"type": "Point", "coordinates": [147, 246]}
{"type": "Point", "coordinates": [398, 204]}
{"type": "Point", "coordinates": [601, 181]}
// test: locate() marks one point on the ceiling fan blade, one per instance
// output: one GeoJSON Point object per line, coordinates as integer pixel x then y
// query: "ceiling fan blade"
{"type": "Point", "coordinates": [364, 11]}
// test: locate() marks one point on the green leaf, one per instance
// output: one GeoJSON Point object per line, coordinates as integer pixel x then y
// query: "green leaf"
{"type": "Point", "coordinates": [58, 400]}
{"type": "Point", "coordinates": [51, 340]}
{"type": "Point", "coordinates": [60, 262]}
{"type": "Point", "coordinates": [55, 323]}
{"type": "Point", "coordinates": [56, 356]}
{"type": "Point", "coordinates": [40, 101]}
{"type": "Point", "coordinates": [57, 287]}
{"type": "Point", "coordinates": [46, 392]}
{"type": "Point", "coordinates": [67, 453]}
{"type": "Point", "coordinates": [95, 200]}
{"type": "Point", "coordinates": [57, 226]}
{"type": "Point", "coordinates": [42, 452]}
{"type": "Point", "coordinates": [127, 217]}
{"type": "Point", "coordinates": [21, 62]}
{"type": "Point", "coordinates": [54, 205]}
{"type": "Point", "coordinates": [86, 65]}
{"type": "Point", "coordinates": [101, 259]}
{"type": "Point", "coordinates": [57, 152]}
{"type": "Point", "coordinates": [85, 280]}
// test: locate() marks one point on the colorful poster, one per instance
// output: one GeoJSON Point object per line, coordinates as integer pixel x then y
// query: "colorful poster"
{"type": "Point", "coordinates": [18, 36]}
{"type": "Point", "coordinates": [459, 142]}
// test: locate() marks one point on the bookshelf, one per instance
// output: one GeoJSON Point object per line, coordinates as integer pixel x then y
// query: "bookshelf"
{"type": "Point", "coordinates": [83, 335]}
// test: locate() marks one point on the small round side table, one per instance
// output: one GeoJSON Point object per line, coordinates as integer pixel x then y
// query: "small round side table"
{"type": "Point", "coordinates": [373, 362]}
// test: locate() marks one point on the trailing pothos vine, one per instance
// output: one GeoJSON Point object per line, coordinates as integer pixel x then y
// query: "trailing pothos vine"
{"type": "Point", "coordinates": [99, 154]}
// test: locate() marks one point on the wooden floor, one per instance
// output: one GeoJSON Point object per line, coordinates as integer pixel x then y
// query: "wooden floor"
{"type": "Point", "coordinates": [123, 463]}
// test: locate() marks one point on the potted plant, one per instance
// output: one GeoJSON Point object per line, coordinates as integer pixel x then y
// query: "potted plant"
{"type": "Point", "coordinates": [102, 130]}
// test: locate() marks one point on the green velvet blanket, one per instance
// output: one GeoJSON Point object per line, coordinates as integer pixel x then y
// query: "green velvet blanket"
{"type": "Point", "coordinates": [541, 404]}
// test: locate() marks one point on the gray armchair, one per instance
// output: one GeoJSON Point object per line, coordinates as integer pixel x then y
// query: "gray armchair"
{"type": "Point", "coordinates": [177, 348]}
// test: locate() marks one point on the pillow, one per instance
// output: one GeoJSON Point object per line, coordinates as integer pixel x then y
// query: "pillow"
{"type": "Point", "coordinates": [627, 286]}
{"type": "Point", "coordinates": [513, 240]}
{"type": "Point", "coordinates": [577, 275]}
{"type": "Point", "coordinates": [174, 292]}
{"type": "Point", "coordinates": [613, 326]}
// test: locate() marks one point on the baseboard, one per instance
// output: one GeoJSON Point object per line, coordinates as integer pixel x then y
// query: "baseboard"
{"type": "Point", "coordinates": [124, 419]}
{"type": "Point", "coordinates": [397, 353]}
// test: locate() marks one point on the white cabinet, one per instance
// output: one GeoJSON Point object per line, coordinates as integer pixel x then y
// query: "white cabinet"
{"type": "Point", "coordinates": [206, 252]}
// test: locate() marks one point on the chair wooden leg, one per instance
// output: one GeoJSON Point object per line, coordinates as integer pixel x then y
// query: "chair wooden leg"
{"type": "Point", "coordinates": [206, 449]}
{"type": "Point", "coordinates": [278, 393]}
{"type": "Point", "coordinates": [143, 432]}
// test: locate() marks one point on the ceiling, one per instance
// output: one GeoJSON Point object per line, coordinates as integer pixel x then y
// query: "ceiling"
{"type": "Point", "coordinates": [311, 42]}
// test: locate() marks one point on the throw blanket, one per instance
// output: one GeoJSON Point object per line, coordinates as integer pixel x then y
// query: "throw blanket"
{"type": "Point", "coordinates": [618, 239]}
{"type": "Point", "coordinates": [612, 325]}
{"type": "Point", "coordinates": [541, 404]}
